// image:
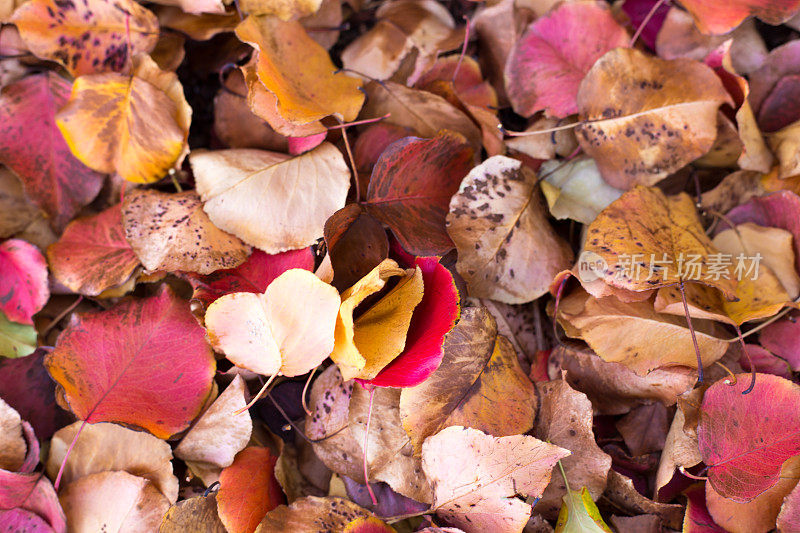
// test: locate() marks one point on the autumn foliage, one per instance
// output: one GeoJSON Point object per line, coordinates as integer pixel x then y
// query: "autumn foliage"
{"type": "Point", "coordinates": [443, 266]}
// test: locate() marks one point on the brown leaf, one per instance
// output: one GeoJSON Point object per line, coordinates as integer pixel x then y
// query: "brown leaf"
{"type": "Point", "coordinates": [565, 419]}
{"type": "Point", "coordinates": [311, 514]}
{"type": "Point", "coordinates": [356, 243]}
{"type": "Point", "coordinates": [198, 514]}
{"type": "Point", "coordinates": [506, 249]}
{"type": "Point", "coordinates": [647, 117]}
{"type": "Point", "coordinates": [16, 211]}
{"type": "Point", "coordinates": [479, 384]}
{"type": "Point", "coordinates": [645, 428]}
{"type": "Point", "coordinates": [624, 496]}
{"type": "Point", "coordinates": [172, 232]}
{"type": "Point", "coordinates": [12, 443]}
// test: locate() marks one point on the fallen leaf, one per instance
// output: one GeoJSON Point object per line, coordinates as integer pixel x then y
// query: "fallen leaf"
{"type": "Point", "coordinates": [764, 361]}
{"type": "Point", "coordinates": [483, 497]}
{"type": "Point", "coordinates": [31, 146]}
{"type": "Point", "coordinates": [783, 339]}
{"type": "Point", "coordinates": [697, 518]}
{"type": "Point", "coordinates": [433, 318]}
{"type": "Point", "coordinates": [356, 244]}
{"type": "Point", "coordinates": [717, 17]}
{"type": "Point", "coordinates": [645, 428]}
{"type": "Point", "coordinates": [198, 514]}
{"type": "Point", "coordinates": [16, 211]}
{"type": "Point", "coordinates": [248, 490]}
{"type": "Point", "coordinates": [588, 465]}
{"type": "Point", "coordinates": [108, 447]}
{"type": "Point", "coordinates": [368, 524]}
{"type": "Point", "coordinates": [646, 225]}
{"type": "Point", "coordinates": [561, 142]}
{"type": "Point", "coordinates": [283, 9]}
{"type": "Point", "coordinates": [789, 517]}
{"type": "Point", "coordinates": [766, 435]}
{"type": "Point", "coordinates": [312, 514]}
{"type": "Point", "coordinates": [554, 54]}
{"type": "Point", "coordinates": [113, 501]}
{"type": "Point", "coordinates": [637, 336]}
{"type": "Point", "coordinates": [269, 200]}
{"type": "Point", "coordinates": [575, 189]}
{"type": "Point", "coordinates": [365, 345]}
{"type": "Point", "coordinates": [135, 125]}
{"type": "Point", "coordinates": [12, 443]}
{"type": "Point", "coordinates": [287, 330]}
{"type": "Point", "coordinates": [92, 254]}
{"type": "Point", "coordinates": [217, 436]}
{"type": "Point", "coordinates": [16, 340]}
{"type": "Point", "coordinates": [622, 495]}
{"type": "Point", "coordinates": [93, 36]}
{"type": "Point", "coordinates": [172, 232]}
{"type": "Point", "coordinates": [23, 285]}
{"type": "Point", "coordinates": [299, 72]}
{"type": "Point", "coordinates": [644, 117]}
{"type": "Point", "coordinates": [103, 360]}
{"type": "Point", "coordinates": [31, 497]}
{"type": "Point", "coordinates": [390, 457]}
{"type": "Point", "coordinates": [579, 514]}
{"type": "Point", "coordinates": [478, 384]}
{"type": "Point", "coordinates": [506, 249]}
{"type": "Point", "coordinates": [254, 275]}
{"type": "Point", "coordinates": [411, 186]}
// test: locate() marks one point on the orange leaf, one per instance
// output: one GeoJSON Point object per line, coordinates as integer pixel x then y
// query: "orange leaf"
{"type": "Point", "coordinates": [248, 490]}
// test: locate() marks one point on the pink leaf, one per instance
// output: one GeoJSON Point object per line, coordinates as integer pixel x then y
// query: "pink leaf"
{"type": "Point", "coordinates": [698, 519]}
{"type": "Point", "coordinates": [33, 493]}
{"type": "Point", "coordinates": [783, 339]}
{"type": "Point", "coordinates": [745, 438]}
{"type": "Point", "coordinates": [765, 362]}
{"type": "Point", "coordinates": [548, 63]}
{"type": "Point", "coordinates": [23, 281]}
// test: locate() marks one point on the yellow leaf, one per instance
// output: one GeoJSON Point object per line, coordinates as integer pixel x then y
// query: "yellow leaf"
{"type": "Point", "coordinates": [580, 514]}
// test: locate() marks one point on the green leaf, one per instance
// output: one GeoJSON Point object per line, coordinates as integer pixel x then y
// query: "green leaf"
{"type": "Point", "coordinates": [16, 340]}
{"type": "Point", "coordinates": [580, 515]}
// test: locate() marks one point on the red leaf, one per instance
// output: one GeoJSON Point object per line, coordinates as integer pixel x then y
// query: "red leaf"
{"type": "Point", "coordinates": [783, 339]}
{"type": "Point", "coordinates": [411, 187]}
{"type": "Point", "coordinates": [92, 255]}
{"type": "Point", "coordinates": [638, 10]}
{"type": "Point", "coordinates": [33, 493]}
{"type": "Point", "coordinates": [697, 518]}
{"type": "Point", "coordinates": [248, 490]}
{"type": "Point", "coordinates": [433, 318]}
{"type": "Point", "coordinates": [548, 63]}
{"type": "Point", "coordinates": [764, 361]}
{"type": "Point", "coordinates": [721, 16]}
{"type": "Point", "coordinates": [32, 146]}
{"type": "Point", "coordinates": [143, 362]}
{"type": "Point", "coordinates": [23, 281]}
{"type": "Point", "coordinates": [745, 438]}
{"type": "Point", "coordinates": [253, 275]}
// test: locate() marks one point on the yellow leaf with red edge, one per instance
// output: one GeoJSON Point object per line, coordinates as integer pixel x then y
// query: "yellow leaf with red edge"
{"type": "Point", "coordinates": [368, 524]}
{"type": "Point", "coordinates": [299, 72]}
{"type": "Point", "coordinates": [135, 125]}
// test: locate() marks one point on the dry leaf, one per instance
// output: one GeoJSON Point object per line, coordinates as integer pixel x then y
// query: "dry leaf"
{"type": "Point", "coordinates": [506, 248]}
{"type": "Point", "coordinates": [283, 9]}
{"type": "Point", "coordinates": [12, 443]}
{"type": "Point", "coordinates": [198, 514]}
{"type": "Point", "coordinates": [269, 200]}
{"type": "Point", "coordinates": [311, 514]}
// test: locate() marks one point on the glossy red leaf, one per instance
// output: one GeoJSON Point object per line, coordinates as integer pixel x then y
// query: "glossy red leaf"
{"type": "Point", "coordinates": [33, 493]}
{"type": "Point", "coordinates": [251, 276]}
{"type": "Point", "coordinates": [18, 377]}
{"type": "Point", "coordinates": [433, 318]}
{"type": "Point", "coordinates": [92, 255]}
{"type": "Point", "coordinates": [778, 210]}
{"type": "Point", "coordinates": [23, 281]}
{"type": "Point", "coordinates": [32, 146]}
{"type": "Point", "coordinates": [783, 339]}
{"type": "Point", "coordinates": [548, 63]}
{"type": "Point", "coordinates": [697, 518]}
{"type": "Point", "coordinates": [411, 187]}
{"type": "Point", "coordinates": [143, 362]}
{"type": "Point", "coordinates": [248, 490]}
{"type": "Point", "coordinates": [745, 438]}
{"type": "Point", "coordinates": [721, 16]}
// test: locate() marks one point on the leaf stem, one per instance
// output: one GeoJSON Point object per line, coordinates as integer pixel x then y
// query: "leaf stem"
{"type": "Point", "coordinates": [691, 330]}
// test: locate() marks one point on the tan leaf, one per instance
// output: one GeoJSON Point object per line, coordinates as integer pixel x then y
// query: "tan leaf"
{"type": "Point", "coordinates": [16, 211]}
{"type": "Point", "coordinates": [106, 447]}
{"type": "Point", "coordinates": [311, 514]}
{"type": "Point", "coordinates": [172, 232]}
{"type": "Point", "coordinates": [390, 456]}
{"type": "Point", "coordinates": [198, 514]}
{"type": "Point", "coordinates": [217, 436]}
{"type": "Point", "coordinates": [624, 496]}
{"type": "Point", "coordinates": [475, 477]}
{"type": "Point", "coordinates": [647, 117]}
{"type": "Point", "coordinates": [635, 335]}
{"type": "Point", "coordinates": [681, 447]}
{"type": "Point", "coordinates": [269, 200]}
{"type": "Point", "coordinates": [288, 330]}
{"type": "Point", "coordinates": [565, 419]}
{"type": "Point", "coordinates": [113, 501]}
{"type": "Point", "coordinates": [615, 389]}
{"type": "Point", "coordinates": [479, 384]}
{"type": "Point", "coordinates": [574, 189]}
{"type": "Point", "coordinates": [283, 9]}
{"type": "Point", "coordinates": [134, 125]}
{"type": "Point", "coordinates": [12, 443]}
{"type": "Point", "coordinates": [507, 250]}
{"type": "Point", "coordinates": [367, 344]}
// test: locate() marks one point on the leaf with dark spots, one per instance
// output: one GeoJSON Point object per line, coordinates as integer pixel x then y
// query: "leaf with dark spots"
{"type": "Point", "coordinates": [92, 255]}
{"type": "Point", "coordinates": [356, 244]}
{"type": "Point", "coordinates": [411, 186]}
{"type": "Point", "coordinates": [92, 36]}
{"type": "Point", "coordinates": [32, 146]}
{"type": "Point", "coordinates": [143, 362]}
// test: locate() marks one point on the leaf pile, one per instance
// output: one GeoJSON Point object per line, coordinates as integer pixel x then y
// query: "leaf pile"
{"type": "Point", "coordinates": [501, 266]}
